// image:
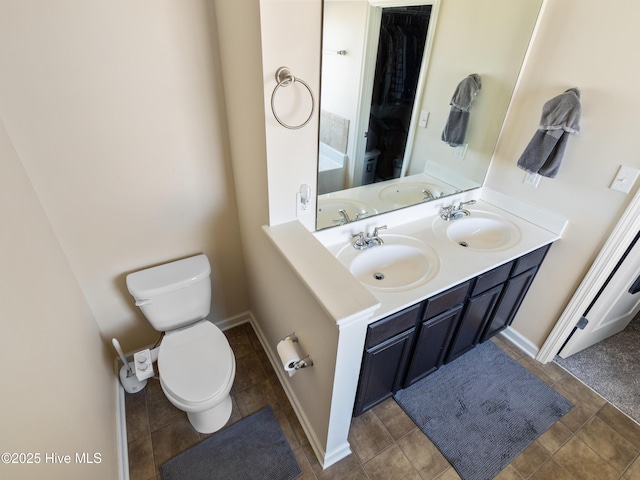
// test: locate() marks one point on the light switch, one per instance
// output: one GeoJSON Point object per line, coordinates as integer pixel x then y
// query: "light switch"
{"type": "Point", "coordinates": [625, 179]}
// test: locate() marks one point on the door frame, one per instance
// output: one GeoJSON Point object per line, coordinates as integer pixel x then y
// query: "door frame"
{"type": "Point", "coordinates": [372, 37]}
{"type": "Point", "coordinates": [614, 248]}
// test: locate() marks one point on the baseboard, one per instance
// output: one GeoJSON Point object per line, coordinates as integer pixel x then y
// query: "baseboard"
{"type": "Point", "coordinates": [520, 341]}
{"type": "Point", "coordinates": [236, 320]}
{"type": "Point", "coordinates": [336, 455]}
{"type": "Point", "coordinates": [121, 428]}
{"type": "Point", "coordinates": [325, 459]}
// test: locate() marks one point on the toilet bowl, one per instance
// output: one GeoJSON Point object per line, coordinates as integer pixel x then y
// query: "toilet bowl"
{"type": "Point", "coordinates": [197, 369]}
{"type": "Point", "coordinates": [195, 362]}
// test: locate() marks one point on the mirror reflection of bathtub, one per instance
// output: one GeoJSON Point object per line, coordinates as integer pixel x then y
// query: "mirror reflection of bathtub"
{"type": "Point", "coordinates": [331, 169]}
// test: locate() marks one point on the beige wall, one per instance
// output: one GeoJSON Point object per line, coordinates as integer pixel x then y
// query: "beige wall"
{"type": "Point", "coordinates": [567, 53]}
{"type": "Point", "coordinates": [572, 48]}
{"type": "Point", "coordinates": [116, 111]}
{"type": "Point", "coordinates": [585, 44]}
{"type": "Point", "coordinates": [58, 393]}
{"type": "Point", "coordinates": [114, 156]}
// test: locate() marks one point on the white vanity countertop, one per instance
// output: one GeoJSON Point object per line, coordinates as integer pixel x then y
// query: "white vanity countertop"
{"type": "Point", "coordinates": [344, 298]}
{"type": "Point", "coordinates": [457, 264]}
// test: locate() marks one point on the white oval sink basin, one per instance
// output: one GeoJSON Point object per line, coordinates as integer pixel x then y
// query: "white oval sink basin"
{"type": "Point", "coordinates": [401, 263]}
{"type": "Point", "coordinates": [328, 209]}
{"type": "Point", "coordinates": [410, 193]}
{"type": "Point", "coordinates": [481, 231]}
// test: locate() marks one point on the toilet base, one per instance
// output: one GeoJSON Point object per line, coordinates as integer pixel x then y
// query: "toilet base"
{"type": "Point", "coordinates": [212, 420]}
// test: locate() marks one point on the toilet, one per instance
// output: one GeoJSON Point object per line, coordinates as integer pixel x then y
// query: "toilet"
{"type": "Point", "coordinates": [195, 362]}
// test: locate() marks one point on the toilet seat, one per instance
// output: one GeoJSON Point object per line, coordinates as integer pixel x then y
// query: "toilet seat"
{"type": "Point", "coordinates": [196, 363]}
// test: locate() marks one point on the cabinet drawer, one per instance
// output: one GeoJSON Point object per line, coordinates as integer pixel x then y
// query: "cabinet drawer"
{"type": "Point", "coordinates": [394, 324]}
{"type": "Point", "coordinates": [444, 301]}
{"type": "Point", "coordinates": [529, 260]}
{"type": "Point", "coordinates": [491, 278]}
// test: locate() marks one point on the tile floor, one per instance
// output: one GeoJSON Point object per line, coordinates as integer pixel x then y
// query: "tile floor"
{"type": "Point", "coordinates": [593, 441]}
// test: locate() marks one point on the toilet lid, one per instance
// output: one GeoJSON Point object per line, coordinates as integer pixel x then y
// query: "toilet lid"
{"type": "Point", "coordinates": [195, 363]}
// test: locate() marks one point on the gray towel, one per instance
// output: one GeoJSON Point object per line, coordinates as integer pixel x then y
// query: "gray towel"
{"type": "Point", "coordinates": [560, 117]}
{"type": "Point", "coordinates": [455, 129]}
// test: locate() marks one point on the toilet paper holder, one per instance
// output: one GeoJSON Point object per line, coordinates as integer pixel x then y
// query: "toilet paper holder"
{"type": "Point", "coordinates": [303, 362]}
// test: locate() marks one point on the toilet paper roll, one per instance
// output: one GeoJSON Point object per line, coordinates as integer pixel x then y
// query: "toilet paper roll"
{"type": "Point", "coordinates": [288, 354]}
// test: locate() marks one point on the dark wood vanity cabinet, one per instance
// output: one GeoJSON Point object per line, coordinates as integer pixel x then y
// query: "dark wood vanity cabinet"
{"type": "Point", "coordinates": [476, 314]}
{"type": "Point", "coordinates": [387, 348]}
{"type": "Point", "coordinates": [522, 274]}
{"type": "Point", "coordinates": [409, 345]}
{"type": "Point", "coordinates": [481, 304]}
{"type": "Point", "coordinates": [441, 315]}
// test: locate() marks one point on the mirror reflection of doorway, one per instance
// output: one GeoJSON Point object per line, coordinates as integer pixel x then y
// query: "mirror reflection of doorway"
{"type": "Point", "coordinates": [403, 35]}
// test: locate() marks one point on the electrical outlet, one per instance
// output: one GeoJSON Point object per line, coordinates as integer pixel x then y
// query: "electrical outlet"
{"type": "Point", "coordinates": [460, 152]}
{"type": "Point", "coordinates": [301, 207]}
{"type": "Point", "coordinates": [424, 116]}
{"type": "Point", "coordinates": [532, 179]}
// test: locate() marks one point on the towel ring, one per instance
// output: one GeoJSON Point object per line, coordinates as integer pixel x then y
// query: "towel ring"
{"type": "Point", "coordinates": [284, 77]}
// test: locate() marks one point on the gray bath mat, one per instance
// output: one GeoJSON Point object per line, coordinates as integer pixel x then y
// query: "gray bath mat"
{"type": "Point", "coordinates": [482, 410]}
{"type": "Point", "coordinates": [252, 449]}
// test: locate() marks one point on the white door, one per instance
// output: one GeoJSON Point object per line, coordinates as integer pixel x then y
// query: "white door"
{"type": "Point", "coordinates": [614, 308]}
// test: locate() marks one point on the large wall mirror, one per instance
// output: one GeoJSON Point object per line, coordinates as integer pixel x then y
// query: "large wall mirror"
{"type": "Point", "coordinates": [393, 132]}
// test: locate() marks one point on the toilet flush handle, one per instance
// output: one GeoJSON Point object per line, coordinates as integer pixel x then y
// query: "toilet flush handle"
{"type": "Point", "coordinates": [140, 303]}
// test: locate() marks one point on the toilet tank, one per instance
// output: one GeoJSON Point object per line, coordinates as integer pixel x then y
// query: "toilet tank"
{"type": "Point", "coordinates": [174, 294]}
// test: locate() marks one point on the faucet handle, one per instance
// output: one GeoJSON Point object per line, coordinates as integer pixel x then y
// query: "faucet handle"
{"type": "Point", "coordinates": [375, 230]}
{"type": "Point", "coordinates": [448, 208]}
{"type": "Point", "coordinates": [468, 202]}
{"type": "Point", "coordinates": [360, 240]}
{"type": "Point", "coordinates": [345, 216]}
{"type": "Point", "coordinates": [427, 195]}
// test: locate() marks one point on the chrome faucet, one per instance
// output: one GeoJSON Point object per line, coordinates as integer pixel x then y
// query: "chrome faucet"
{"type": "Point", "coordinates": [427, 195]}
{"type": "Point", "coordinates": [364, 241]}
{"type": "Point", "coordinates": [345, 218]}
{"type": "Point", "coordinates": [454, 211]}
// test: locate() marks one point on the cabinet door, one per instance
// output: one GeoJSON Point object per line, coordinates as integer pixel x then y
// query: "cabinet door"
{"type": "Point", "coordinates": [382, 370]}
{"type": "Point", "coordinates": [512, 296]}
{"type": "Point", "coordinates": [431, 344]}
{"type": "Point", "coordinates": [477, 313]}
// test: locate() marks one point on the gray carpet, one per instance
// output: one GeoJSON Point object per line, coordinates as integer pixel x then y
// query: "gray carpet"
{"type": "Point", "coordinates": [482, 410]}
{"type": "Point", "coordinates": [252, 449]}
{"type": "Point", "coordinates": [612, 368]}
